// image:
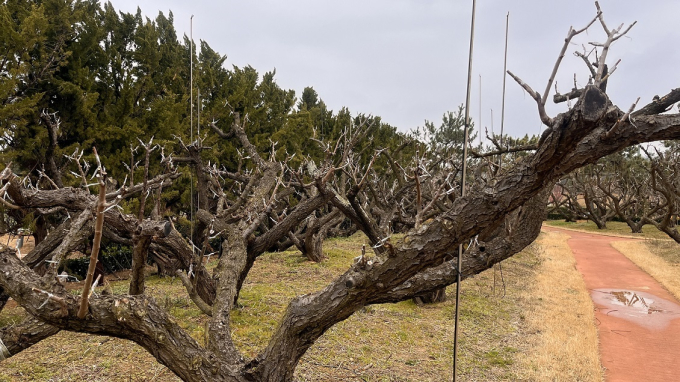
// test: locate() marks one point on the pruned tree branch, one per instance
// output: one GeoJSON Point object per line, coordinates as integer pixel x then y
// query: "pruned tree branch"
{"type": "Point", "coordinates": [537, 97]}
{"type": "Point", "coordinates": [205, 308]}
{"type": "Point", "coordinates": [572, 32]}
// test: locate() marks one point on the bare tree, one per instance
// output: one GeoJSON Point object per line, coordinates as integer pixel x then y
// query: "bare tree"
{"type": "Point", "coordinates": [497, 218]}
{"type": "Point", "coordinates": [627, 191]}
{"type": "Point", "coordinates": [665, 172]}
{"type": "Point", "coordinates": [558, 204]}
{"type": "Point", "coordinates": [584, 197]}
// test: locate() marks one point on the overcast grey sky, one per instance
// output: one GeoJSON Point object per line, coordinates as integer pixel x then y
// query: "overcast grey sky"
{"type": "Point", "coordinates": [406, 60]}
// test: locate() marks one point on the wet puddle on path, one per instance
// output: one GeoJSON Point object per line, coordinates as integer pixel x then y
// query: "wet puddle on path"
{"type": "Point", "coordinates": [642, 308]}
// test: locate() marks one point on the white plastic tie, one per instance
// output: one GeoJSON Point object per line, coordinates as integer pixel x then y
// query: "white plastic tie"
{"type": "Point", "coordinates": [49, 296]}
{"type": "Point", "coordinates": [4, 352]}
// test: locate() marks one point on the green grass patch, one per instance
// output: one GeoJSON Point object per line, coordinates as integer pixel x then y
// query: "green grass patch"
{"type": "Point", "coordinates": [502, 357]}
{"type": "Point", "coordinates": [11, 317]}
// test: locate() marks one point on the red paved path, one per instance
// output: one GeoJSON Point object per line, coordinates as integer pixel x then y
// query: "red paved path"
{"type": "Point", "coordinates": [637, 318]}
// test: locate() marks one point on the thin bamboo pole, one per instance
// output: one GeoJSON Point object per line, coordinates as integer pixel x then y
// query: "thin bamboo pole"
{"type": "Point", "coordinates": [96, 242]}
{"type": "Point", "coordinates": [479, 122]}
{"type": "Point", "coordinates": [505, 69]}
{"type": "Point", "coordinates": [198, 138]}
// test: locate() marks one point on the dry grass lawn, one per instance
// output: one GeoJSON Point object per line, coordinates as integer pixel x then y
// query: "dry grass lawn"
{"type": "Point", "coordinates": [661, 259]}
{"type": "Point", "coordinates": [564, 346]}
{"type": "Point", "coordinates": [532, 333]}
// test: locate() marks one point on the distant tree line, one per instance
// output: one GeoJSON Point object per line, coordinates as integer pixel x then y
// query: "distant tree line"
{"type": "Point", "coordinates": [639, 186]}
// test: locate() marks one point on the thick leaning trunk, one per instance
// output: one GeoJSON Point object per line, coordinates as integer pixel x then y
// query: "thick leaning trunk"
{"type": "Point", "coordinates": [311, 244]}
{"type": "Point", "coordinates": [635, 227]}
{"type": "Point", "coordinates": [250, 261]}
{"type": "Point", "coordinates": [174, 246]}
{"type": "Point", "coordinates": [137, 318]}
{"type": "Point", "coordinates": [278, 362]}
{"type": "Point", "coordinates": [665, 225]}
{"type": "Point", "coordinates": [598, 212]}
{"type": "Point", "coordinates": [326, 224]}
{"type": "Point", "coordinates": [600, 220]}
{"type": "Point", "coordinates": [165, 266]}
{"type": "Point", "coordinates": [574, 139]}
{"type": "Point", "coordinates": [672, 233]}
{"type": "Point", "coordinates": [16, 338]}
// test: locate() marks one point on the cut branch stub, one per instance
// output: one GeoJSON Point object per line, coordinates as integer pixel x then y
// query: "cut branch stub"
{"type": "Point", "coordinates": [153, 228]}
{"type": "Point", "coordinates": [594, 104]}
{"type": "Point", "coordinates": [575, 93]}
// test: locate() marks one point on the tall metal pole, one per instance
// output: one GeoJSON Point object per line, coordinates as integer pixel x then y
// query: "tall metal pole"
{"type": "Point", "coordinates": [500, 156]}
{"type": "Point", "coordinates": [479, 131]}
{"type": "Point", "coordinates": [462, 187]}
{"type": "Point", "coordinates": [191, 76]}
{"type": "Point", "coordinates": [505, 69]}
{"type": "Point", "coordinates": [198, 134]}
{"type": "Point", "coordinates": [191, 124]}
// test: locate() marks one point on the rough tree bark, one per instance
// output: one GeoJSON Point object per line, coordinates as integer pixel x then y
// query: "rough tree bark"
{"type": "Point", "coordinates": [140, 251]}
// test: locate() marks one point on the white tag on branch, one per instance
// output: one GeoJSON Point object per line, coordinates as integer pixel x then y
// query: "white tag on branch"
{"type": "Point", "coordinates": [94, 285]}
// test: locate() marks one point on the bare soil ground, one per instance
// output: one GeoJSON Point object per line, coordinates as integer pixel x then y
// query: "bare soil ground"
{"type": "Point", "coordinates": [501, 334]}
{"type": "Point", "coordinates": [11, 241]}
